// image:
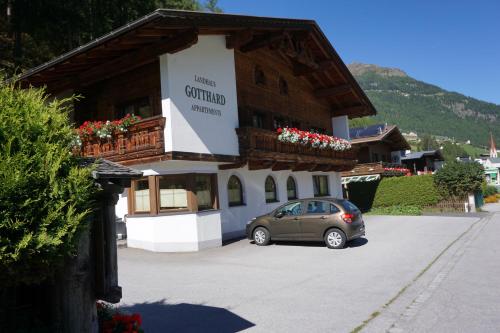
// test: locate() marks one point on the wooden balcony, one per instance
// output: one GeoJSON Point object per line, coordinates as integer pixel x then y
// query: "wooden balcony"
{"type": "Point", "coordinates": [376, 168]}
{"type": "Point", "coordinates": [262, 150]}
{"type": "Point", "coordinates": [143, 140]}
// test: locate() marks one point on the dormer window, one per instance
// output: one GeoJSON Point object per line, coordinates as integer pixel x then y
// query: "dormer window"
{"type": "Point", "coordinates": [259, 76]}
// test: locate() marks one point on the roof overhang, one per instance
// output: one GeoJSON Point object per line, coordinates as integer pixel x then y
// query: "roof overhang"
{"type": "Point", "coordinates": [391, 136]}
{"type": "Point", "coordinates": [168, 31]}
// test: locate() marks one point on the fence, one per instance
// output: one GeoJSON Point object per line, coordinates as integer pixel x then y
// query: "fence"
{"type": "Point", "coordinates": [452, 205]}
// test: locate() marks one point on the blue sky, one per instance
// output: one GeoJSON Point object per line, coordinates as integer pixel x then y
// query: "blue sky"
{"type": "Point", "coordinates": [453, 44]}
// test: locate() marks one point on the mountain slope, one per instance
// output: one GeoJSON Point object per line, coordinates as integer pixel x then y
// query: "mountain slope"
{"type": "Point", "coordinates": [425, 108]}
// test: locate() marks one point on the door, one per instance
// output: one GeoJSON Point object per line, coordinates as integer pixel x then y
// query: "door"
{"type": "Point", "coordinates": [285, 222]}
{"type": "Point", "coordinates": [315, 219]}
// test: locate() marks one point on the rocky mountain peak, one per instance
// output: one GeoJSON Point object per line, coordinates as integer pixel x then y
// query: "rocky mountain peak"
{"type": "Point", "coordinates": [357, 69]}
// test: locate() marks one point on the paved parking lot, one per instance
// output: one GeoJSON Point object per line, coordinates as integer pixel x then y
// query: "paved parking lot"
{"type": "Point", "coordinates": [285, 287]}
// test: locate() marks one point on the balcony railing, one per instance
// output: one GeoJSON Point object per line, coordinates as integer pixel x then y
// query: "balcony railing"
{"type": "Point", "coordinates": [142, 140]}
{"type": "Point", "coordinates": [382, 168]}
{"type": "Point", "coordinates": [260, 143]}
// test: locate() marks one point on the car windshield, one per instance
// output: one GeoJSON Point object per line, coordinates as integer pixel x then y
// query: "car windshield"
{"type": "Point", "coordinates": [349, 206]}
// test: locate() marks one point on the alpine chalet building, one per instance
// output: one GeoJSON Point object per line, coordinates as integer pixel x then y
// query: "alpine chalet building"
{"type": "Point", "coordinates": [238, 114]}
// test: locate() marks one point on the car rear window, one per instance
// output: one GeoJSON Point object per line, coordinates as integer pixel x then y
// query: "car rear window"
{"type": "Point", "coordinates": [349, 206]}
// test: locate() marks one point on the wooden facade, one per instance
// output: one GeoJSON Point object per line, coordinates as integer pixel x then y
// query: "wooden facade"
{"type": "Point", "coordinates": [287, 74]}
{"type": "Point", "coordinates": [294, 106]}
{"type": "Point", "coordinates": [375, 151]}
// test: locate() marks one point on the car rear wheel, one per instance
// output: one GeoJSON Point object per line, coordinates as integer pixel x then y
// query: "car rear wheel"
{"type": "Point", "coordinates": [261, 236]}
{"type": "Point", "coordinates": [335, 239]}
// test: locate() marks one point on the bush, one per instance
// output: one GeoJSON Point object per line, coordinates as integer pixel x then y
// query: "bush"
{"type": "Point", "coordinates": [458, 179]}
{"type": "Point", "coordinates": [414, 191]}
{"type": "Point", "coordinates": [45, 198]}
{"type": "Point", "coordinates": [489, 190]}
{"type": "Point", "coordinates": [491, 199]}
{"type": "Point", "coordinates": [396, 210]}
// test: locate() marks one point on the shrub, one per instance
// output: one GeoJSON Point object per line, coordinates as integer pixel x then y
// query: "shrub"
{"type": "Point", "coordinates": [414, 191]}
{"type": "Point", "coordinates": [489, 190]}
{"type": "Point", "coordinates": [458, 179]}
{"type": "Point", "coordinates": [491, 199]}
{"type": "Point", "coordinates": [396, 210]}
{"type": "Point", "coordinates": [45, 197]}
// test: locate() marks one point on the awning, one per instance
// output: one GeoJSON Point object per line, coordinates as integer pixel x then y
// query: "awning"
{"type": "Point", "coordinates": [356, 179]}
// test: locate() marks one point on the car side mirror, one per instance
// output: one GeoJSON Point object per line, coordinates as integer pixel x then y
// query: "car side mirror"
{"type": "Point", "coordinates": [279, 215]}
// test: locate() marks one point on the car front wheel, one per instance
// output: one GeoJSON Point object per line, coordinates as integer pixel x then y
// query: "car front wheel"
{"type": "Point", "coordinates": [261, 236]}
{"type": "Point", "coordinates": [335, 239]}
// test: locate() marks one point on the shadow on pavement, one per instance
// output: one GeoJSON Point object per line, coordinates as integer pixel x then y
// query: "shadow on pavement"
{"type": "Point", "coordinates": [163, 317]}
{"type": "Point", "coordinates": [354, 243]}
{"type": "Point", "coordinates": [357, 242]}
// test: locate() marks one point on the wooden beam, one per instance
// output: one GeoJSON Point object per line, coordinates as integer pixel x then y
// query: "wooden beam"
{"type": "Point", "coordinates": [262, 41]}
{"type": "Point", "coordinates": [320, 167]}
{"type": "Point", "coordinates": [236, 165]}
{"type": "Point", "coordinates": [259, 164]}
{"type": "Point", "coordinates": [333, 91]}
{"type": "Point", "coordinates": [140, 57]}
{"type": "Point", "coordinates": [238, 39]}
{"type": "Point", "coordinates": [301, 69]}
{"type": "Point", "coordinates": [277, 166]}
{"type": "Point", "coordinates": [349, 110]}
{"type": "Point", "coordinates": [304, 166]}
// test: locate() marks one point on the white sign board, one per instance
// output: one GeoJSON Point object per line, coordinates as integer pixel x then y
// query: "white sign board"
{"type": "Point", "coordinates": [199, 98]}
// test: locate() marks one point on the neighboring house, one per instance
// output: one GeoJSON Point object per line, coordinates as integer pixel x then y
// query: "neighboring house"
{"type": "Point", "coordinates": [423, 161]}
{"type": "Point", "coordinates": [212, 90]}
{"type": "Point", "coordinates": [492, 165]}
{"type": "Point", "coordinates": [379, 149]}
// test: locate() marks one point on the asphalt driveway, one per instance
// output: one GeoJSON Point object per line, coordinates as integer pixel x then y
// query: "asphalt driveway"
{"type": "Point", "coordinates": [284, 287]}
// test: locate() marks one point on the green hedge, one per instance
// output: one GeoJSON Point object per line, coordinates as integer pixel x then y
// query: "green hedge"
{"type": "Point", "coordinates": [489, 190]}
{"type": "Point", "coordinates": [414, 191]}
{"type": "Point", "coordinates": [396, 210]}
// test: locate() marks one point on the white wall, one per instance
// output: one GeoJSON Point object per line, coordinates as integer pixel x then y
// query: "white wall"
{"type": "Point", "coordinates": [175, 233]}
{"type": "Point", "coordinates": [121, 207]}
{"type": "Point", "coordinates": [234, 218]}
{"type": "Point", "coordinates": [188, 130]}
{"type": "Point", "coordinates": [340, 127]}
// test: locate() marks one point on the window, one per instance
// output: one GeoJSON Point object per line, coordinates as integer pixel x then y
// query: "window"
{"type": "Point", "coordinates": [334, 209]}
{"type": "Point", "coordinates": [296, 124]}
{"type": "Point", "coordinates": [173, 193]}
{"type": "Point", "coordinates": [291, 209]}
{"type": "Point", "coordinates": [319, 130]}
{"type": "Point", "coordinates": [283, 86]}
{"type": "Point", "coordinates": [259, 76]}
{"type": "Point", "coordinates": [258, 120]}
{"type": "Point", "coordinates": [320, 186]}
{"type": "Point", "coordinates": [140, 107]}
{"type": "Point", "coordinates": [291, 188]}
{"type": "Point", "coordinates": [141, 196]}
{"type": "Point", "coordinates": [349, 206]}
{"type": "Point", "coordinates": [235, 191]}
{"type": "Point", "coordinates": [183, 192]}
{"type": "Point", "coordinates": [270, 188]}
{"type": "Point", "coordinates": [318, 207]}
{"type": "Point", "coordinates": [279, 122]}
{"type": "Point", "coordinates": [204, 192]}
{"type": "Point", "coordinates": [375, 157]}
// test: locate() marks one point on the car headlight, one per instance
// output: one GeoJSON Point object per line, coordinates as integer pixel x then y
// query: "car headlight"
{"type": "Point", "coordinates": [251, 220]}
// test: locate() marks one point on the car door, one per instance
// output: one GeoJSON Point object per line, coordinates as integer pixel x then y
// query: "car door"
{"type": "Point", "coordinates": [315, 219]}
{"type": "Point", "coordinates": [285, 222]}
